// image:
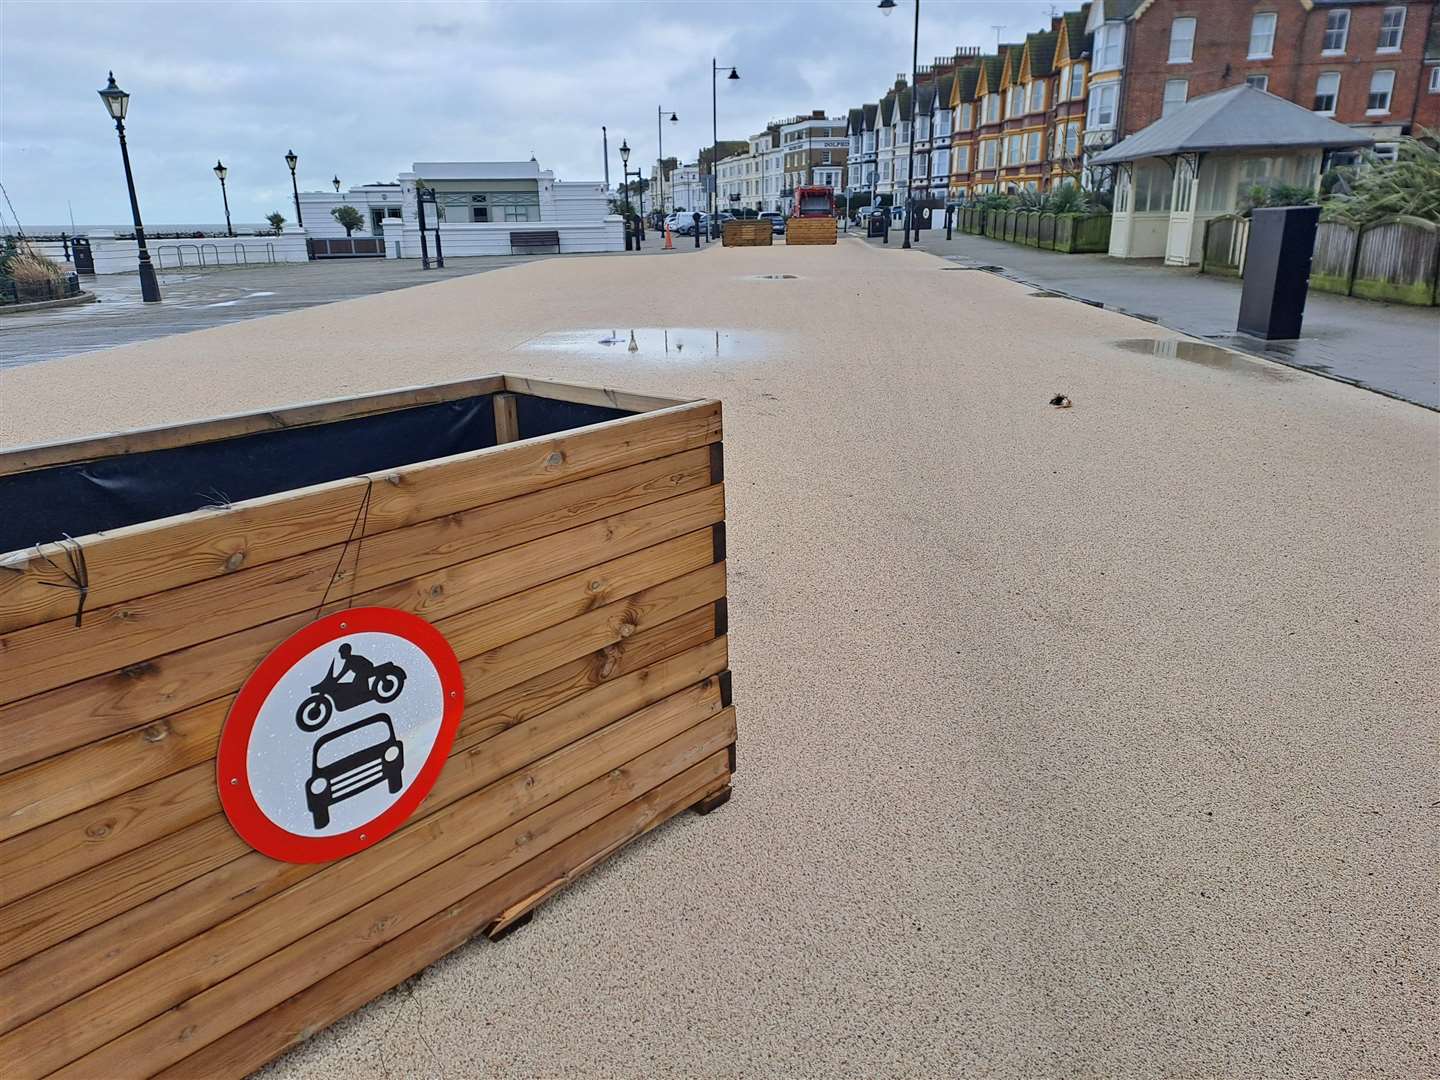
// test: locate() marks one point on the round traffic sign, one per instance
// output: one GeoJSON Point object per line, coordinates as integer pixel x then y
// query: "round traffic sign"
{"type": "Point", "coordinates": [339, 734]}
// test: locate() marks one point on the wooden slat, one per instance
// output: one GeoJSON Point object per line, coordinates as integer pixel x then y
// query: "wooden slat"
{"type": "Point", "coordinates": [445, 485]}
{"type": "Point", "coordinates": [212, 1013]}
{"type": "Point", "coordinates": [69, 782]}
{"type": "Point", "coordinates": [93, 708]}
{"type": "Point", "coordinates": [270, 1034]}
{"type": "Point", "coordinates": [58, 652]}
{"type": "Point", "coordinates": [154, 556]}
{"type": "Point", "coordinates": [507, 424]}
{"type": "Point", "coordinates": [141, 559]}
{"type": "Point", "coordinates": [533, 722]}
{"type": "Point", "coordinates": [603, 396]}
{"type": "Point", "coordinates": [119, 1005]}
{"type": "Point", "coordinates": [25, 458]}
{"type": "Point", "coordinates": [52, 852]}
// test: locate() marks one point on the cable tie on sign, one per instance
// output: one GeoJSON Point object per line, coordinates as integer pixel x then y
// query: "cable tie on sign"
{"type": "Point", "coordinates": [362, 522]}
{"type": "Point", "coordinates": [77, 577]}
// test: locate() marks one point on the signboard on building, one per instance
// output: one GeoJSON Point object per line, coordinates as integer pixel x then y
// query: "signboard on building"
{"type": "Point", "coordinates": [339, 734]}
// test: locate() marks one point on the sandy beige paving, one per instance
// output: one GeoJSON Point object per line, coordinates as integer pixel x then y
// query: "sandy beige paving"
{"type": "Point", "coordinates": [1095, 742]}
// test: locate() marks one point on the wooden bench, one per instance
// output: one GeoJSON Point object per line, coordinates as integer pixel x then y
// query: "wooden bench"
{"type": "Point", "coordinates": [532, 242]}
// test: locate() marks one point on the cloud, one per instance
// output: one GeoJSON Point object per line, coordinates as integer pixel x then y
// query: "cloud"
{"type": "Point", "coordinates": [361, 90]}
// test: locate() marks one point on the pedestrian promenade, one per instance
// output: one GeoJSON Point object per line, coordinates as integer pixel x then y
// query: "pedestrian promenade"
{"type": "Point", "coordinates": [1094, 741]}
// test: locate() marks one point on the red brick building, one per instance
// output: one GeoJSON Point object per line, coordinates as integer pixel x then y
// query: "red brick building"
{"type": "Point", "coordinates": [1360, 61]}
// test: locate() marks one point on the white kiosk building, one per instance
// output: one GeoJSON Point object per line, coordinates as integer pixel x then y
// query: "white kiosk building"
{"type": "Point", "coordinates": [478, 205]}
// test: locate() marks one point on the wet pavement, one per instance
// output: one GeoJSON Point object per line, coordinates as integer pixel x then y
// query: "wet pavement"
{"type": "Point", "coordinates": [677, 344]}
{"type": "Point", "coordinates": [1392, 349]}
{"type": "Point", "coordinates": [197, 299]}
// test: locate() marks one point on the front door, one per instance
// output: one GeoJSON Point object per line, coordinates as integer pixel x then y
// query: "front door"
{"type": "Point", "coordinates": [1182, 211]}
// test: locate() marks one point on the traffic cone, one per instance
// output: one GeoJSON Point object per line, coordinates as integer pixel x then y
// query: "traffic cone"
{"type": "Point", "coordinates": [669, 244]}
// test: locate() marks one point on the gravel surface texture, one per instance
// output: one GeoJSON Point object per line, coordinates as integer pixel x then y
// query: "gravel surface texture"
{"type": "Point", "coordinates": [1096, 741]}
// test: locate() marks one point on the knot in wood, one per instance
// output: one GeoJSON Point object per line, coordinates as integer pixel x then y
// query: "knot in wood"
{"type": "Point", "coordinates": [626, 629]}
{"type": "Point", "coordinates": [156, 732]}
{"type": "Point", "coordinates": [100, 830]}
{"type": "Point", "coordinates": [234, 562]}
{"type": "Point", "coordinates": [555, 458]}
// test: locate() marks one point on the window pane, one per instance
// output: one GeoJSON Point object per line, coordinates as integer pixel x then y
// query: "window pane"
{"type": "Point", "coordinates": [1327, 88]}
{"type": "Point", "coordinates": [1337, 30]}
{"type": "Point", "coordinates": [1260, 82]}
{"type": "Point", "coordinates": [1262, 34]}
{"type": "Point", "coordinates": [1077, 81]}
{"type": "Point", "coordinates": [1176, 91]}
{"type": "Point", "coordinates": [1182, 41]}
{"type": "Point", "coordinates": [1392, 28]}
{"type": "Point", "coordinates": [1381, 84]}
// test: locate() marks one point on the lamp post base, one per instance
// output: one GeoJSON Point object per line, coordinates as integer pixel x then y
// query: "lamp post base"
{"type": "Point", "coordinates": [149, 283]}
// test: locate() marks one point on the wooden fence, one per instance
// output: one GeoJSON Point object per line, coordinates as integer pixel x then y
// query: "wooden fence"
{"type": "Point", "coordinates": [579, 577]}
{"type": "Point", "coordinates": [1068, 233]}
{"type": "Point", "coordinates": [1396, 259]}
{"type": "Point", "coordinates": [1222, 250]}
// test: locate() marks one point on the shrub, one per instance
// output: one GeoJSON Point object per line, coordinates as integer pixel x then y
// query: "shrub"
{"type": "Point", "coordinates": [24, 264]}
{"type": "Point", "coordinates": [994, 200]}
{"type": "Point", "coordinates": [1264, 195]}
{"type": "Point", "coordinates": [1408, 185]}
{"type": "Point", "coordinates": [1068, 199]}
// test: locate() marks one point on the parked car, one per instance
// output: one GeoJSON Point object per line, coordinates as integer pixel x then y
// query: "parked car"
{"type": "Point", "coordinates": [776, 219]}
{"type": "Point", "coordinates": [686, 223]}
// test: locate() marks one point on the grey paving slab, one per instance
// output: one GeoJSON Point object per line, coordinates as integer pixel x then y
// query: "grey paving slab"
{"type": "Point", "coordinates": [196, 299]}
{"type": "Point", "coordinates": [1390, 348]}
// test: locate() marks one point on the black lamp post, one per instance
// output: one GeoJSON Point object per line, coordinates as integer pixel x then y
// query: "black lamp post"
{"type": "Point", "coordinates": [336, 182]}
{"type": "Point", "coordinates": [625, 166]}
{"type": "Point", "coordinates": [715, 139]}
{"type": "Point", "coordinates": [220, 174]}
{"type": "Point", "coordinates": [292, 160]}
{"type": "Point", "coordinates": [117, 103]}
{"type": "Point", "coordinates": [886, 7]}
{"type": "Point", "coordinates": [660, 140]}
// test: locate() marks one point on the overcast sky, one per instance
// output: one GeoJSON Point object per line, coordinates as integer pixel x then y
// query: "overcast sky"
{"type": "Point", "coordinates": [361, 90]}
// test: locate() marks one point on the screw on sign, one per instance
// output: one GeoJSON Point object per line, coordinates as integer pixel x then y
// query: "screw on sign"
{"type": "Point", "coordinates": [339, 734]}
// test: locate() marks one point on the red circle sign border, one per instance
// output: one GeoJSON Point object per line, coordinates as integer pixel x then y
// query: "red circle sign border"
{"type": "Point", "coordinates": [231, 774]}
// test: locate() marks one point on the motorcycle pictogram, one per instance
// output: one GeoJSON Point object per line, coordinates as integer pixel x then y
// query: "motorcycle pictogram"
{"type": "Point", "coordinates": [356, 681]}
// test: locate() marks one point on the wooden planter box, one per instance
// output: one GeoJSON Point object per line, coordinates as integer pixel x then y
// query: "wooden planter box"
{"type": "Point", "coordinates": [819, 230]}
{"type": "Point", "coordinates": [567, 542]}
{"type": "Point", "coordinates": [747, 233]}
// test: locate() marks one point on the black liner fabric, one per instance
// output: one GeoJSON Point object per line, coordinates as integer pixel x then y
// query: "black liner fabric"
{"type": "Point", "coordinates": [108, 493]}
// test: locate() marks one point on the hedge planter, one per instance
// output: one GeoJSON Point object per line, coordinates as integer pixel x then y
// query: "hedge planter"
{"type": "Point", "coordinates": [214, 843]}
{"type": "Point", "coordinates": [747, 233]}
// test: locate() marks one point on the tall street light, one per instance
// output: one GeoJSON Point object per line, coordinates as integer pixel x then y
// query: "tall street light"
{"type": "Point", "coordinates": [625, 165]}
{"type": "Point", "coordinates": [886, 7]}
{"type": "Point", "coordinates": [715, 136]}
{"type": "Point", "coordinates": [220, 174]}
{"type": "Point", "coordinates": [336, 182]}
{"type": "Point", "coordinates": [660, 139]}
{"type": "Point", "coordinates": [292, 160]}
{"type": "Point", "coordinates": [117, 103]}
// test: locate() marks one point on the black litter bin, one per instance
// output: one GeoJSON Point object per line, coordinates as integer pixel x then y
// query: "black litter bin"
{"type": "Point", "coordinates": [1277, 271]}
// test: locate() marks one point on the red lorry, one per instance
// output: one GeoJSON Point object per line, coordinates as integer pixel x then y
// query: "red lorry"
{"type": "Point", "coordinates": [814, 202]}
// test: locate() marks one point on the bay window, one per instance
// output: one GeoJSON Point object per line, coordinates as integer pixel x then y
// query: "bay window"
{"type": "Point", "coordinates": [1109, 44]}
{"type": "Point", "coordinates": [1101, 111]}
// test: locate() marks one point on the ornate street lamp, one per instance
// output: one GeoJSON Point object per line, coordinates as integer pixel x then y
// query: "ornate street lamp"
{"type": "Point", "coordinates": [117, 103]}
{"type": "Point", "coordinates": [292, 160]}
{"type": "Point", "coordinates": [715, 138]}
{"type": "Point", "coordinates": [220, 173]}
{"type": "Point", "coordinates": [886, 7]}
{"type": "Point", "coordinates": [625, 167]}
{"type": "Point", "coordinates": [336, 182]}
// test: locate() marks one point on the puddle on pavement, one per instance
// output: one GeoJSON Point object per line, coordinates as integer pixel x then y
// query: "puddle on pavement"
{"type": "Point", "coordinates": [1211, 356]}
{"type": "Point", "coordinates": [674, 343]}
